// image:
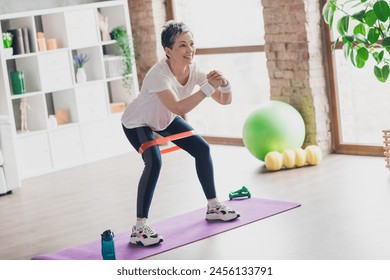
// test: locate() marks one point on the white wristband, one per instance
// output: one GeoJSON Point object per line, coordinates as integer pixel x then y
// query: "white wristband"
{"type": "Point", "coordinates": [207, 89]}
{"type": "Point", "coordinates": [226, 88]}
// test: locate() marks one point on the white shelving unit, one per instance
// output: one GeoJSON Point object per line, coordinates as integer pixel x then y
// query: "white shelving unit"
{"type": "Point", "coordinates": [92, 131]}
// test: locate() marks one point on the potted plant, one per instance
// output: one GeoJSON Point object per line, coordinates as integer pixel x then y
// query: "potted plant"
{"type": "Point", "coordinates": [79, 61]}
{"type": "Point", "coordinates": [364, 29]}
{"type": "Point", "coordinates": [7, 43]}
{"type": "Point", "coordinates": [125, 48]}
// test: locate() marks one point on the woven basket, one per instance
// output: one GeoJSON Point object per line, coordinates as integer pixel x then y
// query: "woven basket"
{"type": "Point", "coordinates": [386, 146]}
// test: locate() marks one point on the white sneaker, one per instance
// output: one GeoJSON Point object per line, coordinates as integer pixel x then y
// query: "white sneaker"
{"type": "Point", "coordinates": [221, 212]}
{"type": "Point", "coordinates": [145, 236]}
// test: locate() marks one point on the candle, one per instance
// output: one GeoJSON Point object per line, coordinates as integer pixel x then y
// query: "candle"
{"type": "Point", "coordinates": [41, 41]}
{"type": "Point", "coordinates": [51, 44]}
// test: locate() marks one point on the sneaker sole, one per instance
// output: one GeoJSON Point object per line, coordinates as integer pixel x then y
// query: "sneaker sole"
{"type": "Point", "coordinates": [211, 218]}
{"type": "Point", "coordinates": [138, 242]}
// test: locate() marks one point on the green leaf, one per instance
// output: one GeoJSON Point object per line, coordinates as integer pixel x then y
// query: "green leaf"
{"type": "Point", "coordinates": [373, 35]}
{"type": "Point", "coordinates": [382, 74]}
{"type": "Point", "coordinates": [352, 57]}
{"type": "Point", "coordinates": [347, 39]}
{"type": "Point", "coordinates": [125, 49]}
{"type": "Point", "coordinates": [360, 29]}
{"type": "Point", "coordinates": [118, 32]}
{"type": "Point", "coordinates": [385, 71]}
{"type": "Point", "coordinates": [347, 50]}
{"type": "Point", "coordinates": [382, 10]}
{"type": "Point", "coordinates": [359, 15]}
{"type": "Point", "coordinates": [361, 39]}
{"type": "Point", "coordinates": [333, 46]}
{"type": "Point", "coordinates": [360, 63]}
{"type": "Point", "coordinates": [382, 27]}
{"type": "Point", "coordinates": [362, 54]}
{"type": "Point", "coordinates": [342, 25]}
{"type": "Point", "coordinates": [386, 43]}
{"type": "Point", "coordinates": [328, 13]}
{"type": "Point", "coordinates": [378, 56]}
{"type": "Point", "coordinates": [370, 18]}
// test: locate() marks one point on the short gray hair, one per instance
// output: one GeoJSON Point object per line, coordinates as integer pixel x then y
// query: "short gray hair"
{"type": "Point", "coordinates": [170, 31]}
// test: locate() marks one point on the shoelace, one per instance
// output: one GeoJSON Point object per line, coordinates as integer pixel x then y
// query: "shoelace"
{"type": "Point", "coordinates": [224, 207]}
{"type": "Point", "coordinates": [148, 230]}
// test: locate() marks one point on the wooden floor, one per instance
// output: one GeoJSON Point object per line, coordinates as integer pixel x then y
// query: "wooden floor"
{"type": "Point", "coordinates": [345, 210]}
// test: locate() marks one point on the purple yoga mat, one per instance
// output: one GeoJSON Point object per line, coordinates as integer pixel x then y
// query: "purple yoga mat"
{"type": "Point", "coordinates": [177, 231]}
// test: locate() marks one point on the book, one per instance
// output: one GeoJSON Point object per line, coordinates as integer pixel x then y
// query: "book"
{"type": "Point", "coordinates": [26, 40]}
{"type": "Point", "coordinates": [17, 43]}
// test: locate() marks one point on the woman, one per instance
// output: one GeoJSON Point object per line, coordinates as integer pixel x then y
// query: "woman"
{"type": "Point", "coordinates": [167, 93]}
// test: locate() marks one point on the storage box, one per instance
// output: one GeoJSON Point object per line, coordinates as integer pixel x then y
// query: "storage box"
{"type": "Point", "coordinates": [113, 65]}
{"type": "Point", "coordinates": [118, 107]}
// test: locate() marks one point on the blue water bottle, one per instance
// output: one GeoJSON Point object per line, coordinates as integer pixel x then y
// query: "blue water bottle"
{"type": "Point", "coordinates": [108, 247]}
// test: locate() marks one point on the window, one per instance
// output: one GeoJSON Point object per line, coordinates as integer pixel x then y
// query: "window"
{"type": "Point", "coordinates": [229, 36]}
{"type": "Point", "coordinates": [361, 103]}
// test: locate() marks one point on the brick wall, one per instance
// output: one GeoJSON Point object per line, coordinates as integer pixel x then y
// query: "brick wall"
{"type": "Point", "coordinates": [147, 17]}
{"type": "Point", "coordinates": [295, 61]}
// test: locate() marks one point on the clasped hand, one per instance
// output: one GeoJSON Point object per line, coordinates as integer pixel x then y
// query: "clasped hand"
{"type": "Point", "coordinates": [216, 79]}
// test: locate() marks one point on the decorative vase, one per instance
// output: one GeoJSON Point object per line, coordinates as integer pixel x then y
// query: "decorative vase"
{"type": "Point", "coordinates": [8, 52]}
{"type": "Point", "coordinates": [18, 84]}
{"type": "Point", "coordinates": [81, 75]}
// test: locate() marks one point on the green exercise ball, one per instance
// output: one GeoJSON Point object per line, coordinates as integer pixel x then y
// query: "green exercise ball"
{"type": "Point", "coordinates": [275, 126]}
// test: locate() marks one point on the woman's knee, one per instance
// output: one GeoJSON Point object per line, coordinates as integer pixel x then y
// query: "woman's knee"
{"type": "Point", "coordinates": [152, 158]}
{"type": "Point", "coordinates": [201, 148]}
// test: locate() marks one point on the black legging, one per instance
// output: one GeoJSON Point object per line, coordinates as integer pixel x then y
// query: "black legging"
{"type": "Point", "coordinates": [195, 145]}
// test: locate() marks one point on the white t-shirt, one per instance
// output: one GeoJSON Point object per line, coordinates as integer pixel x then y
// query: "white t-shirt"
{"type": "Point", "coordinates": [147, 109]}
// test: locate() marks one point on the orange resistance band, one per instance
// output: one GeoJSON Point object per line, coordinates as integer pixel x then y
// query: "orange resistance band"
{"type": "Point", "coordinates": [166, 139]}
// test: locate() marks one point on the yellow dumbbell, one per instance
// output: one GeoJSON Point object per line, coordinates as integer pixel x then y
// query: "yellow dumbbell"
{"type": "Point", "coordinates": [300, 157]}
{"type": "Point", "coordinates": [288, 158]}
{"type": "Point", "coordinates": [273, 161]}
{"type": "Point", "coordinates": [313, 155]}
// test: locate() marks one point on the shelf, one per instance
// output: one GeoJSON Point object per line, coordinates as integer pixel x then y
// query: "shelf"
{"type": "Point", "coordinates": [118, 78]}
{"type": "Point", "coordinates": [20, 56]}
{"type": "Point", "coordinates": [62, 127]}
{"type": "Point", "coordinates": [17, 56]}
{"type": "Point", "coordinates": [69, 123]}
{"type": "Point", "coordinates": [105, 43]}
{"type": "Point", "coordinates": [21, 134]}
{"type": "Point", "coordinates": [52, 51]}
{"type": "Point", "coordinates": [27, 94]}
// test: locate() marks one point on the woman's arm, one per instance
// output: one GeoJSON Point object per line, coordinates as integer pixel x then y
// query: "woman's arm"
{"type": "Point", "coordinates": [222, 98]}
{"type": "Point", "coordinates": [180, 107]}
{"type": "Point", "coordinates": [223, 94]}
{"type": "Point", "coordinates": [183, 106]}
